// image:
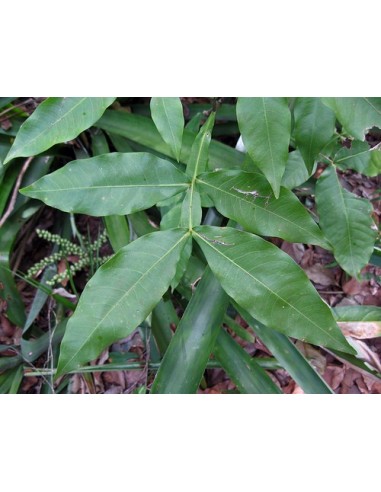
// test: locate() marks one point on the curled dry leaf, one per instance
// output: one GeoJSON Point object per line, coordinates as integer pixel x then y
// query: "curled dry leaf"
{"type": "Point", "coordinates": [353, 287]}
{"type": "Point", "coordinates": [319, 274]}
{"type": "Point", "coordinates": [292, 389]}
{"type": "Point", "coordinates": [6, 327]}
{"type": "Point", "coordinates": [367, 355]}
{"type": "Point", "coordinates": [295, 250]}
{"type": "Point", "coordinates": [314, 356]}
{"type": "Point", "coordinates": [360, 329]}
{"type": "Point", "coordinates": [334, 375]}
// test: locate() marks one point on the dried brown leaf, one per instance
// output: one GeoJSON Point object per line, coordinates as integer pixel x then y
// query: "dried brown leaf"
{"type": "Point", "coordinates": [366, 354]}
{"type": "Point", "coordinates": [334, 375]}
{"type": "Point", "coordinates": [360, 329]}
{"type": "Point", "coordinates": [315, 357]}
{"type": "Point", "coordinates": [319, 274]}
{"type": "Point", "coordinates": [295, 250]}
{"type": "Point", "coordinates": [353, 287]}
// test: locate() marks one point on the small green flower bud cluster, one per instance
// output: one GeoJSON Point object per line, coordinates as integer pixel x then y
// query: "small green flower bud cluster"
{"type": "Point", "coordinates": [65, 245]}
{"type": "Point", "coordinates": [87, 255]}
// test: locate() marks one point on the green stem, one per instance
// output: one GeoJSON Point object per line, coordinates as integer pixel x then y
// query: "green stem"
{"type": "Point", "coordinates": [268, 363]}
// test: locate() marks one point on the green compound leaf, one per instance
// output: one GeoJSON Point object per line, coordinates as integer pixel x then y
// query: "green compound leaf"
{"type": "Point", "coordinates": [109, 184]}
{"type": "Point", "coordinates": [247, 198]}
{"type": "Point", "coordinates": [265, 125]}
{"type": "Point", "coordinates": [346, 222]}
{"type": "Point", "coordinates": [267, 283]}
{"type": "Point", "coordinates": [314, 127]}
{"type": "Point", "coordinates": [167, 114]}
{"type": "Point", "coordinates": [121, 295]}
{"type": "Point", "coordinates": [356, 114]}
{"type": "Point", "coordinates": [56, 120]}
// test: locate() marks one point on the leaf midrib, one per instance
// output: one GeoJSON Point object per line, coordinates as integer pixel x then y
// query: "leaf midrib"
{"type": "Point", "coordinates": [268, 138]}
{"type": "Point", "coordinates": [172, 185]}
{"type": "Point", "coordinates": [174, 143]}
{"type": "Point", "coordinates": [243, 199]}
{"type": "Point", "coordinates": [371, 105]}
{"type": "Point", "coordinates": [337, 161]}
{"type": "Point", "coordinates": [344, 208]}
{"type": "Point", "coordinates": [123, 297]}
{"type": "Point", "coordinates": [29, 142]}
{"type": "Point", "coordinates": [267, 288]}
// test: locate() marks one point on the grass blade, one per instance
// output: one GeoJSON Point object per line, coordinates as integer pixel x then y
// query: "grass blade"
{"type": "Point", "coordinates": [248, 376]}
{"type": "Point", "coordinates": [289, 356]}
{"type": "Point", "coordinates": [187, 355]}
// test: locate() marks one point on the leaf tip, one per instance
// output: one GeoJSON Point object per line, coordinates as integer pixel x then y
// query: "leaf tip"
{"type": "Point", "coordinates": [25, 191]}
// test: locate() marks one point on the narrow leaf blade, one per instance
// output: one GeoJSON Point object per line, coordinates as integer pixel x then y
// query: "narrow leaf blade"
{"type": "Point", "coordinates": [198, 159]}
{"type": "Point", "coordinates": [269, 285]}
{"type": "Point", "coordinates": [109, 184]}
{"type": "Point", "coordinates": [314, 127]}
{"type": "Point", "coordinates": [120, 295]}
{"type": "Point", "coordinates": [288, 356]}
{"type": "Point", "coordinates": [246, 374]}
{"type": "Point", "coordinates": [57, 119]}
{"type": "Point", "coordinates": [191, 211]}
{"type": "Point", "coordinates": [296, 172]}
{"type": "Point", "coordinates": [265, 125]}
{"type": "Point", "coordinates": [346, 222]}
{"type": "Point", "coordinates": [186, 357]}
{"type": "Point", "coordinates": [143, 131]}
{"type": "Point", "coordinates": [167, 114]}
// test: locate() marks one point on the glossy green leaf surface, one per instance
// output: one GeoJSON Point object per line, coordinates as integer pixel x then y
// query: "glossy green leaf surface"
{"type": "Point", "coordinates": [143, 131]}
{"type": "Point", "coordinates": [269, 285]}
{"type": "Point", "coordinates": [265, 125]}
{"type": "Point", "coordinates": [356, 114]}
{"type": "Point", "coordinates": [357, 313]}
{"type": "Point", "coordinates": [296, 172]}
{"type": "Point", "coordinates": [248, 199]}
{"type": "Point", "coordinates": [164, 317]}
{"type": "Point", "coordinates": [120, 295]}
{"type": "Point", "coordinates": [194, 123]}
{"type": "Point", "coordinates": [198, 158]}
{"type": "Point", "coordinates": [346, 222]}
{"type": "Point", "coordinates": [185, 360]}
{"type": "Point", "coordinates": [360, 157]}
{"type": "Point", "coordinates": [118, 231]}
{"type": "Point", "coordinates": [314, 127]}
{"type": "Point", "coordinates": [172, 218]}
{"type": "Point", "coordinates": [288, 356]}
{"type": "Point", "coordinates": [182, 264]}
{"type": "Point", "coordinates": [109, 184]}
{"type": "Point", "coordinates": [191, 211]}
{"type": "Point", "coordinates": [247, 375]}
{"type": "Point", "coordinates": [57, 119]}
{"type": "Point", "coordinates": [167, 114]}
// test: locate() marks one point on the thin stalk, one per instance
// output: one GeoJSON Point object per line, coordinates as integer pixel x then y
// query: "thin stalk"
{"type": "Point", "coordinates": [268, 363]}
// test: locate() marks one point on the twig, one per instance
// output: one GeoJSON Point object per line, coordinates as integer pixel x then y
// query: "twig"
{"type": "Point", "coordinates": [15, 191]}
{"type": "Point", "coordinates": [8, 110]}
